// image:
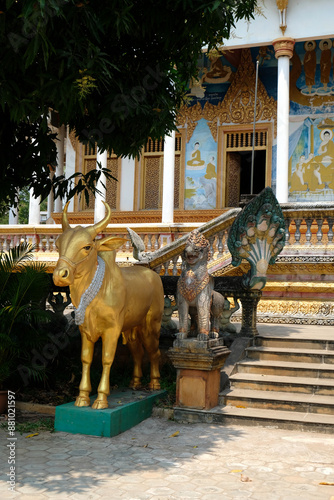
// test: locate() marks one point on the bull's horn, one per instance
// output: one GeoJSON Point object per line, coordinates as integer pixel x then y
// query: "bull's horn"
{"type": "Point", "coordinates": [64, 221]}
{"type": "Point", "coordinates": [100, 226]}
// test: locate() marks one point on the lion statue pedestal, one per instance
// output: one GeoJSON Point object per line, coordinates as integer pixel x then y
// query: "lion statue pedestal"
{"type": "Point", "coordinates": [198, 359]}
{"type": "Point", "coordinates": [198, 364]}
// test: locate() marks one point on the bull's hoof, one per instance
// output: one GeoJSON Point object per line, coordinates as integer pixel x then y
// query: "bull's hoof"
{"type": "Point", "coordinates": [213, 335]}
{"type": "Point", "coordinates": [82, 401]}
{"type": "Point", "coordinates": [135, 383]}
{"type": "Point", "coordinates": [154, 385]}
{"type": "Point", "coordinates": [100, 404]}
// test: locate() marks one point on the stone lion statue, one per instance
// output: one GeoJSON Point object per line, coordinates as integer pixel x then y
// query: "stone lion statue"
{"type": "Point", "coordinates": [195, 293]}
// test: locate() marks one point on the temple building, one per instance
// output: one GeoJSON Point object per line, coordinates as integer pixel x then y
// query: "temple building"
{"type": "Point", "coordinates": [277, 68]}
{"type": "Point", "coordinates": [284, 57]}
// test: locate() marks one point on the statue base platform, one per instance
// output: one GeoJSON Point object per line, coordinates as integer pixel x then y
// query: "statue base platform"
{"type": "Point", "coordinates": [198, 365]}
{"type": "Point", "coordinates": [126, 409]}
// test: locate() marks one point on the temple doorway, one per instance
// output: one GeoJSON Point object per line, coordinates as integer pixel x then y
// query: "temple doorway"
{"type": "Point", "coordinates": [259, 173]}
{"type": "Point", "coordinates": [238, 160]}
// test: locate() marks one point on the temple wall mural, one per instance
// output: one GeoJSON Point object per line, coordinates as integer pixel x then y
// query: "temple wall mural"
{"type": "Point", "coordinates": [311, 78]}
{"type": "Point", "coordinates": [224, 90]}
{"type": "Point", "coordinates": [223, 96]}
{"type": "Point", "coordinates": [311, 146]}
{"type": "Point", "coordinates": [201, 169]}
{"type": "Point", "coordinates": [312, 161]}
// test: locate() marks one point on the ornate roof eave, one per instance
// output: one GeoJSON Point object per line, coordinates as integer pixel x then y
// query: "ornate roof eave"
{"type": "Point", "coordinates": [237, 106]}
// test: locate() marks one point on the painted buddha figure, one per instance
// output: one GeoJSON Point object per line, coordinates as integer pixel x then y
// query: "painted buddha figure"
{"type": "Point", "coordinates": [325, 62]}
{"type": "Point", "coordinates": [298, 183]}
{"type": "Point", "coordinates": [326, 148]}
{"type": "Point", "coordinates": [325, 157]}
{"type": "Point", "coordinates": [211, 169]}
{"type": "Point", "coordinates": [196, 160]}
{"type": "Point", "coordinates": [310, 64]}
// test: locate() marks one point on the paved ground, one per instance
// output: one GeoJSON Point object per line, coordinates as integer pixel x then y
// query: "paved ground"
{"type": "Point", "coordinates": [160, 459]}
{"type": "Point", "coordinates": [163, 460]}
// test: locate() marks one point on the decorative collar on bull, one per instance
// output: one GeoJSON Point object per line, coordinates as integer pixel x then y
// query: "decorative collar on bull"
{"type": "Point", "coordinates": [109, 301]}
{"type": "Point", "coordinates": [78, 255]}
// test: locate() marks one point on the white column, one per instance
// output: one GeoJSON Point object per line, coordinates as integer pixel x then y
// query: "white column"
{"type": "Point", "coordinates": [99, 209]}
{"type": "Point", "coordinates": [50, 206]}
{"type": "Point", "coordinates": [70, 160]}
{"type": "Point", "coordinates": [127, 187]}
{"type": "Point", "coordinates": [283, 52]}
{"type": "Point", "coordinates": [58, 206]}
{"type": "Point", "coordinates": [13, 218]}
{"type": "Point", "coordinates": [168, 180]}
{"type": "Point", "coordinates": [34, 209]}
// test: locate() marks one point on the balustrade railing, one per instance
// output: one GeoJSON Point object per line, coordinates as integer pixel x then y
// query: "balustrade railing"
{"type": "Point", "coordinates": [43, 237]}
{"type": "Point", "coordinates": [308, 225]}
{"type": "Point", "coordinates": [309, 228]}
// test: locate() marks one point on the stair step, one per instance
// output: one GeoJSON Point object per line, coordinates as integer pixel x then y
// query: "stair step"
{"type": "Point", "coordinates": [286, 368]}
{"type": "Point", "coordinates": [275, 400]}
{"type": "Point", "coordinates": [291, 354]}
{"type": "Point", "coordinates": [226, 415]}
{"type": "Point", "coordinates": [281, 419]}
{"type": "Point", "coordinates": [324, 387]}
{"type": "Point", "coordinates": [297, 341]}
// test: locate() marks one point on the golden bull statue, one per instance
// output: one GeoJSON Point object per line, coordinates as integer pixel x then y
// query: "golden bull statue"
{"type": "Point", "coordinates": [109, 301]}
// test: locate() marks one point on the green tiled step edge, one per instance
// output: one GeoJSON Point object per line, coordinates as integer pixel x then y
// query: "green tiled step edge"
{"type": "Point", "coordinates": [126, 409]}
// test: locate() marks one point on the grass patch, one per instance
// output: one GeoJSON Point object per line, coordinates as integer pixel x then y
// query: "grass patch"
{"type": "Point", "coordinates": [40, 425]}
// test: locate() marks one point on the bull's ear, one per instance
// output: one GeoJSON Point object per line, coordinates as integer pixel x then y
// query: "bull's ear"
{"type": "Point", "coordinates": [108, 244]}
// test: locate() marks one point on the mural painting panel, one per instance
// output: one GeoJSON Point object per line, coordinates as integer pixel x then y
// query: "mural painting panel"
{"type": "Point", "coordinates": [312, 162]}
{"type": "Point", "coordinates": [201, 170]}
{"type": "Point", "coordinates": [311, 77]}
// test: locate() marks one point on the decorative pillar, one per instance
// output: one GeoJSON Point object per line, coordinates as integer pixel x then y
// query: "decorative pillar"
{"type": "Point", "coordinates": [71, 151]}
{"type": "Point", "coordinates": [13, 218]}
{"type": "Point", "coordinates": [50, 206]}
{"type": "Point", "coordinates": [249, 301]}
{"type": "Point", "coordinates": [168, 179]}
{"type": "Point", "coordinates": [34, 209]}
{"type": "Point", "coordinates": [127, 187]}
{"type": "Point", "coordinates": [99, 209]}
{"type": "Point", "coordinates": [283, 53]}
{"type": "Point", "coordinates": [60, 163]}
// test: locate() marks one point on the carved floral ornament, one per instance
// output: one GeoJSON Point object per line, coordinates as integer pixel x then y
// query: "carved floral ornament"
{"type": "Point", "coordinates": [237, 106]}
{"type": "Point", "coordinates": [283, 47]}
{"type": "Point", "coordinates": [295, 307]}
{"type": "Point", "coordinates": [73, 139]}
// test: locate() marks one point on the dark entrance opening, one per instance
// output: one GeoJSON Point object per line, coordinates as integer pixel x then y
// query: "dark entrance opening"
{"type": "Point", "coordinates": [259, 174]}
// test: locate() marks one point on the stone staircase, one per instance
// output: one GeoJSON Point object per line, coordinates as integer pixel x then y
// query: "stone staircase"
{"type": "Point", "coordinates": [286, 380]}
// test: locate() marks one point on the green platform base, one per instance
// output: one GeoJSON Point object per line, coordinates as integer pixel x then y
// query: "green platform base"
{"type": "Point", "coordinates": [126, 409]}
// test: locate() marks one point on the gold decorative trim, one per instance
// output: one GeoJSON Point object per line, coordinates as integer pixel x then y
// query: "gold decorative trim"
{"type": "Point", "coordinates": [237, 106]}
{"type": "Point", "coordinates": [189, 286]}
{"type": "Point", "coordinates": [283, 47]}
{"type": "Point", "coordinates": [282, 6]}
{"type": "Point", "coordinates": [301, 268]}
{"type": "Point", "coordinates": [188, 116]}
{"type": "Point", "coordinates": [300, 287]}
{"type": "Point", "coordinates": [231, 270]}
{"type": "Point", "coordinates": [143, 217]}
{"type": "Point", "coordinates": [73, 139]}
{"type": "Point", "coordinates": [296, 307]}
